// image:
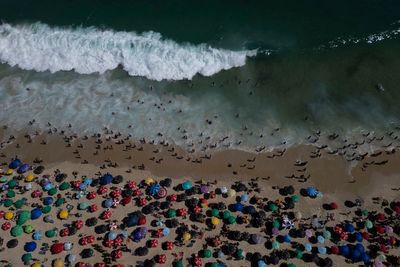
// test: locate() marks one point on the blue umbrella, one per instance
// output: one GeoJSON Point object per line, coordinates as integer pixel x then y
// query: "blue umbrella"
{"type": "Point", "coordinates": [322, 250]}
{"type": "Point", "coordinates": [48, 186]}
{"type": "Point", "coordinates": [88, 181]}
{"type": "Point", "coordinates": [37, 235]}
{"type": "Point", "coordinates": [106, 179]}
{"type": "Point", "coordinates": [238, 206]}
{"type": "Point", "coordinates": [187, 185]}
{"type": "Point", "coordinates": [112, 235]}
{"type": "Point", "coordinates": [321, 239]}
{"type": "Point", "coordinates": [355, 255]}
{"type": "Point", "coordinates": [250, 210]}
{"type": "Point", "coordinates": [48, 201]}
{"type": "Point", "coordinates": [30, 246]}
{"type": "Point", "coordinates": [166, 231]}
{"type": "Point", "coordinates": [132, 220]}
{"type": "Point", "coordinates": [23, 168]}
{"type": "Point", "coordinates": [36, 213]}
{"type": "Point", "coordinates": [154, 188]}
{"type": "Point", "coordinates": [312, 191]}
{"type": "Point", "coordinates": [360, 248]}
{"type": "Point", "coordinates": [244, 198]}
{"type": "Point", "coordinates": [308, 247]}
{"type": "Point", "coordinates": [365, 258]}
{"type": "Point", "coordinates": [14, 164]}
{"type": "Point", "coordinates": [107, 203]}
{"type": "Point", "coordinates": [344, 250]}
{"type": "Point", "coordinates": [359, 237]}
{"type": "Point", "coordinates": [83, 186]}
{"type": "Point", "coordinates": [261, 263]}
{"type": "Point", "coordinates": [348, 227]}
{"type": "Point", "coordinates": [139, 234]}
{"type": "Point", "coordinates": [287, 238]}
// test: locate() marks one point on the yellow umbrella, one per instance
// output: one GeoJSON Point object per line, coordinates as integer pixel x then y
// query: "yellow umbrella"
{"type": "Point", "coordinates": [29, 178]}
{"type": "Point", "coordinates": [231, 193]}
{"type": "Point", "coordinates": [9, 171]}
{"type": "Point", "coordinates": [186, 236]}
{"type": "Point", "coordinates": [214, 220]}
{"type": "Point", "coordinates": [9, 215]}
{"type": "Point", "coordinates": [58, 263]}
{"type": "Point", "coordinates": [149, 181]}
{"type": "Point", "coordinates": [63, 214]}
{"type": "Point", "coordinates": [36, 264]}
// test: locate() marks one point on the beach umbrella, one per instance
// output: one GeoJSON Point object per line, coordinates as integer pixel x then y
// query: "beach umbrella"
{"type": "Point", "coordinates": [238, 206]}
{"type": "Point", "coordinates": [215, 213]}
{"type": "Point", "coordinates": [206, 253]}
{"type": "Point", "coordinates": [153, 243]}
{"type": "Point", "coordinates": [322, 250]}
{"type": "Point", "coordinates": [8, 203]}
{"type": "Point", "coordinates": [64, 186]}
{"type": "Point", "coordinates": [261, 263]}
{"type": "Point", "coordinates": [320, 239]}
{"type": "Point", "coordinates": [107, 203]}
{"type": "Point", "coordinates": [116, 254]}
{"type": "Point", "coordinates": [48, 201]}
{"type": "Point", "coordinates": [36, 213]}
{"type": "Point", "coordinates": [87, 253]}
{"type": "Point", "coordinates": [232, 220]}
{"type": "Point", "coordinates": [63, 214]}
{"type": "Point", "coordinates": [57, 248]}
{"type": "Point", "coordinates": [16, 231]}
{"type": "Point", "coordinates": [244, 198]}
{"type": "Point", "coordinates": [50, 233]}
{"type": "Point", "coordinates": [165, 231]}
{"type": "Point", "coordinates": [250, 210]}
{"type": "Point", "coordinates": [312, 191]}
{"type": "Point", "coordinates": [154, 188]}
{"type": "Point", "coordinates": [187, 185]}
{"type": "Point", "coordinates": [308, 247]}
{"type": "Point", "coordinates": [223, 189]}
{"type": "Point", "coordinates": [71, 258]}
{"type": "Point", "coordinates": [28, 229]}
{"type": "Point", "coordinates": [30, 246]}
{"type": "Point", "coordinates": [58, 263]}
{"type": "Point", "coordinates": [275, 244]}
{"type": "Point", "coordinates": [148, 181]}
{"type": "Point", "coordinates": [197, 261]}
{"type": "Point", "coordinates": [12, 243]}
{"type": "Point", "coordinates": [162, 192]}
{"type": "Point", "coordinates": [171, 213]}
{"type": "Point", "coordinates": [186, 236]}
{"type": "Point", "coordinates": [348, 227]}
{"type": "Point", "coordinates": [161, 258]}
{"type": "Point", "coordinates": [204, 189]}
{"type": "Point", "coordinates": [272, 207]}
{"type": "Point", "coordinates": [10, 193]}
{"type": "Point", "coordinates": [168, 245]}
{"type": "Point", "coordinates": [6, 226]}
{"type": "Point", "coordinates": [23, 168]}
{"type": "Point", "coordinates": [37, 235]}
{"type": "Point", "coordinates": [142, 251]}
{"type": "Point", "coordinates": [139, 233]}
{"type": "Point", "coordinates": [19, 203]}
{"type": "Point", "coordinates": [14, 164]}
{"type": "Point", "coordinates": [256, 239]}
{"type": "Point", "coordinates": [106, 179]}
{"type": "Point", "coordinates": [214, 221]}
{"type": "Point", "coordinates": [9, 215]}
{"type": "Point", "coordinates": [27, 257]}
{"type": "Point", "coordinates": [231, 193]}
{"type": "Point", "coordinates": [344, 250]}
{"type": "Point", "coordinates": [326, 234]}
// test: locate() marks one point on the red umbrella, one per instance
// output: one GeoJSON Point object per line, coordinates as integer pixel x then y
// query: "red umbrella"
{"type": "Point", "coordinates": [380, 229]}
{"type": "Point", "coordinates": [102, 189]}
{"type": "Point", "coordinates": [132, 185]}
{"type": "Point", "coordinates": [6, 226]}
{"type": "Point", "coordinates": [380, 217]}
{"type": "Point", "coordinates": [172, 197]}
{"type": "Point", "coordinates": [168, 245]}
{"type": "Point", "coordinates": [142, 220]}
{"type": "Point", "coordinates": [116, 254]}
{"type": "Point", "coordinates": [91, 195]}
{"type": "Point", "coordinates": [162, 258]}
{"type": "Point", "coordinates": [137, 192]}
{"type": "Point", "coordinates": [333, 205]}
{"type": "Point", "coordinates": [118, 241]}
{"type": "Point", "coordinates": [335, 250]}
{"type": "Point", "coordinates": [90, 239]}
{"type": "Point", "coordinates": [36, 193]}
{"type": "Point", "coordinates": [57, 248]}
{"type": "Point", "coordinates": [100, 264]}
{"type": "Point", "coordinates": [64, 232]}
{"type": "Point", "coordinates": [93, 208]}
{"type": "Point", "coordinates": [116, 193]}
{"type": "Point", "coordinates": [365, 235]}
{"type": "Point", "coordinates": [76, 184]}
{"type": "Point", "coordinates": [344, 236]}
{"type": "Point", "coordinates": [83, 241]}
{"type": "Point", "coordinates": [108, 243]}
{"type": "Point", "coordinates": [197, 261]}
{"type": "Point", "coordinates": [153, 243]}
{"type": "Point", "coordinates": [80, 264]}
{"type": "Point", "coordinates": [383, 248]}
{"type": "Point", "coordinates": [105, 215]}
{"type": "Point", "coordinates": [196, 210]}
{"type": "Point", "coordinates": [182, 212]}
{"type": "Point", "coordinates": [78, 224]}
{"type": "Point", "coordinates": [126, 200]}
{"type": "Point", "coordinates": [142, 201]}
{"type": "Point", "coordinates": [397, 209]}
{"type": "Point", "coordinates": [2, 212]}
{"type": "Point", "coordinates": [118, 265]}
{"type": "Point", "coordinates": [158, 233]}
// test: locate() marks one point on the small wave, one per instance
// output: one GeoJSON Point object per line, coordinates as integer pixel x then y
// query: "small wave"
{"type": "Point", "coordinates": [40, 47]}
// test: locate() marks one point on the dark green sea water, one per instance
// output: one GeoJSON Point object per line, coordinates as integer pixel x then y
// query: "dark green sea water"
{"type": "Point", "coordinates": [321, 65]}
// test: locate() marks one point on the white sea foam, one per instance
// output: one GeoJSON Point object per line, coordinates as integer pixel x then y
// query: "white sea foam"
{"type": "Point", "coordinates": [40, 47]}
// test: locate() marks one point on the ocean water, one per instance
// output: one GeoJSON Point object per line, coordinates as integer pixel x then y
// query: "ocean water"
{"type": "Point", "coordinates": [224, 74]}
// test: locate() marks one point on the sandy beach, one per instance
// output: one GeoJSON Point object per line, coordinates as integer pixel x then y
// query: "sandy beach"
{"type": "Point", "coordinates": [353, 187]}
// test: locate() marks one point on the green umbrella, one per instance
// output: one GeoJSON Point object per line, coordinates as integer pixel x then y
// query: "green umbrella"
{"type": "Point", "coordinates": [60, 201]}
{"type": "Point", "coordinates": [11, 193]}
{"type": "Point", "coordinates": [214, 264]}
{"type": "Point", "coordinates": [240, 253]}
{"type": "Point", "coordinates": [26, 257]}
{"type": "Point", "coordinates": [28, 229]}
{"type": "Point", "coordinates": [369, 224]}
{"type": "Point", "coordinates": [24, 214]}
{"type": "Point", "coordinates": [83, 206]}
{"type": "Point", "coordinates": [275, 244]}
{"type": "Point", "coordinates": [299, 254]}
{"type": "Point", "coordinates": [207, 253]}
{"type": "Point", "coordinates": [231, 219]}
{"type": "Point", "coordinates": [16, 231]}
{"type": "Point", "coordinates": [179, 263]}
{"type": "Point", "coordinates": [226, 214]}
{"type": "Point", "coordinates": [364, 213]}
{"type": "Point", "coordinates": [171, 213]}
{"type": "Point", "coordinates": [291, 265]}
{"type": "Point", "coordinates": [276, 224]}
{"type": "Point", "coordinates": [8, 203]}
{"type": "Point", "coordinates": [272, 207]}
{"type": "Point", "coordinates": [53, 191]}
{"type": "Point", "coordinates": [50, 233]}
{"type": "Point", "coordinates": [19, 203]}
{"type": "Point", "coordinates": [215, 213]}
{"type": "Point", "coordinates": [46, 209]}
{"type": "Point", "coordinates": [295, 198]}
{"type": "Point", "coordinates": [3, 179]}
{"type": "Point", "coordinates": [64, 186]}
{"type": "Point", "coordinates": [12, 183]}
